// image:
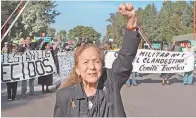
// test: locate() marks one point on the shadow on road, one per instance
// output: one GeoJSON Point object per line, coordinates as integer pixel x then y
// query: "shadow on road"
{"type": "Point", "coordinates": [172, 80]}
{"type": "Point", "coordinates": [142, 74]}
{"type": "Point", "coordinates": [6, 105]}
{"type": "Point", "coordinates": [149, 80]}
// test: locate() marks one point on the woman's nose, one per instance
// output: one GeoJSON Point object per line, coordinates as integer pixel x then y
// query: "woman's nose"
{"type": "Point", "coordinates": [91, 65]}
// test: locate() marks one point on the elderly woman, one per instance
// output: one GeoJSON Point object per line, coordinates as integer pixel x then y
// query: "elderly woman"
{"type": "Point", "coordinates": [91, 90]}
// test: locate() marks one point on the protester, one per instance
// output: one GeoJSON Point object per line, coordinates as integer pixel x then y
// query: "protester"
{"type": "Point", "coordinates": [15, 47]}
{"type": "Point", "coordinates": [26, 46]}
{"type": "Point", "coordinates": [55, 50]}
{"type": "Point", "coordinates": [66, 47]}
{"type": "Point", "coordinates": [90, 90]}
{"type": "Point", "coordinates": [165, 76]}
{"type": "Point", "coordinates": [133, 82]}
{"type": "Point", "coordinates": [5, 48]}
{"type": "Point", "coordinates": [39, 43]}
{"type": "Point", "coordinates": [108, 46]}
{"type": "Point", "coordinates": [11, 86]}
{"type": "Point", "coordinates": [188, 76]}
{"type": "Point", "coordinates": [47, 80]}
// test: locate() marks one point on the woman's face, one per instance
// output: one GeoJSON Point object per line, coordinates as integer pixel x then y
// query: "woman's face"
{"type": "Point", "coordinates": [89, 65]}
{"type": "Point", "coordinates": [48, 46]}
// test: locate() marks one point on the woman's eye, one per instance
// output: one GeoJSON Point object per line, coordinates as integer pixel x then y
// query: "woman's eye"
{"type": "Point", "coordinates": [97, 61]}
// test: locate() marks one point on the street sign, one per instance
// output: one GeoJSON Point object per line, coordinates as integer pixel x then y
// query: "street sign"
{"type": "Point", "coordinates": [46, 39]}
{"type": "Point", "coordinates": [156, 45]}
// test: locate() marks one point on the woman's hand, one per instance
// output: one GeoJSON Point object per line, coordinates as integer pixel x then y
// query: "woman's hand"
{"type": "Point", "coordinates": [128, 11]}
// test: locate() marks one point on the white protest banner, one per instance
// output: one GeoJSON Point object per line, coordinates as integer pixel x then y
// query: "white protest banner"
{"type": "Point", "coordinates": [146, 61]}
{"type": "Point", "coordinates": [66, 63]}
{"type": "Point", "coordinates": [27, 65]}
{"type": "Point", "coordinates": [152, 61]}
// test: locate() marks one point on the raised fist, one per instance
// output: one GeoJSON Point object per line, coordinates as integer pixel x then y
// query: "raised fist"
{"type": "Point", "coordinates": [128, 11]}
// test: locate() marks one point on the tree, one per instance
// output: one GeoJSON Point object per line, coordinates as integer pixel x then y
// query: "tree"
{"type": "Point", "coordinates": [174, 20]}
{"type": "Point", "coordinates": [62, 34]}
{"type": "Point", "coordinates": [51, 32]}
{"type": "Point", "coordinates": [116, 28]}
{"type": "Point", "coordinates": [109, 32]}
{"type": "Point", "coordinates": [149, 22]}
{"type": "Point", "coordinates": [84, 33]}
{"type": "Point", "coordinates": [140, 16]}
{"type": "Point", "coordinates": [191, 4]}
{"type": "Point", "coordinates": [185, 14]}
{"type": "Point", "coordinates": [36, 17]}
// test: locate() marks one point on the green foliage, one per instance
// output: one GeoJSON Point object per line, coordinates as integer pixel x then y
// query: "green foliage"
{"type": "Point", "coordinates": [51, 32]}
{"type": "Point", "coordinates": [116, 28]}
{"type": "Point", "coordinates": [84, 32]}
{"type": "Point", "coordinates": [62, 35]}
{"type": "Point", "coordinates": [35, 18]}
{"type": "Point", "coordinates": [174, 18]}
{"type": "Point", "coordinates": [149, 23]}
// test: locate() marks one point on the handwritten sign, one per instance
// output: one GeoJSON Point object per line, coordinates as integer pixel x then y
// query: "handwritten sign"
{"type": "Point", "coordinates": [27, 65]}
{"type": "Point", "coordinates": [152, 61]}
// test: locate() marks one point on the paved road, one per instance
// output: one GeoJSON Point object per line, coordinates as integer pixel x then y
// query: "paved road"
{"type": "Point", "coordinates": [149, 99]}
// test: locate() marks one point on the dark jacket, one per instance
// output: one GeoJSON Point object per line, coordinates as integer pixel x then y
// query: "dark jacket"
{"type": "Point", "coordinates": [113, 79]}
{"type": "Point", "coordinates": [23, 49]}
{"type": "Point", "coordinates": [168, 75]}
{"type": "Point", "coordinates": [32, 46]}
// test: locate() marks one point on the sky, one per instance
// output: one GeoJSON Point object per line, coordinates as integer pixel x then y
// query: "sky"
{"type": "Point", "coordinates": [91, 13]}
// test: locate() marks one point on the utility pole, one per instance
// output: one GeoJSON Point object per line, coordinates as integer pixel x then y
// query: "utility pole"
{"type": "Point", "coordinates": [141, 41]}
{"type": "Point", "coordinates": [10, 27]}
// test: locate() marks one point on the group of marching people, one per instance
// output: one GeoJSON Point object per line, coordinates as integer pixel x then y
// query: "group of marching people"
{"type": "Point", "coordinates": [44, 81]}
{"type": "Point", "coordinates": [47, 80]}
{"type": "Point", "coordinates": [188, 76]}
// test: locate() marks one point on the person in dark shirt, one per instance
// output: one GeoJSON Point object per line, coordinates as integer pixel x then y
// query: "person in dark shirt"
{"type": "Point", "coordinates": [165, 76]}
{"type": "Point", "coordinates": [11, 86]}
{"type": "Point", "coordinates": [27, 46]}
{"type": "Point", "coordinates": [46, 80]}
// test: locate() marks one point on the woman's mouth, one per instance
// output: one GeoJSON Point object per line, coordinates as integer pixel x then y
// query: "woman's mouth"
{"type": "Point", "coordinates": [93, 74]}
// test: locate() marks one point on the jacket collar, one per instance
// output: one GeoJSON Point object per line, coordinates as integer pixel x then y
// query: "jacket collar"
{"type": "Point", "coordinates": [79, 93]}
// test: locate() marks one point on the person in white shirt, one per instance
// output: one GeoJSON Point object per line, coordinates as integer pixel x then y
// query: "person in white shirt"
{"type": "Point", "coordinates": [188, 76]}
